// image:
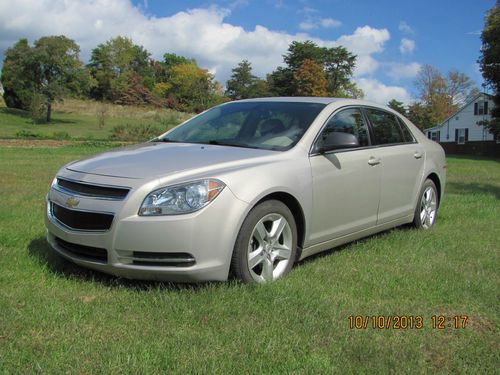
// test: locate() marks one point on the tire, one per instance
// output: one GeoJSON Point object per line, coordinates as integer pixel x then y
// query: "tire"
{"type": "Point", "coordinates": [427, 206]}
{"type": "Point", "coordinates": [266, 246]}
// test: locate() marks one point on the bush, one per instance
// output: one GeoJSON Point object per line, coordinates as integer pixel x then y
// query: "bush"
{"type": "Point", "coordinates": [60, 136]}
{"type": "Point", "coordinates": [27, 134]}
{"type": "Point", "coordinates": [135, 133]}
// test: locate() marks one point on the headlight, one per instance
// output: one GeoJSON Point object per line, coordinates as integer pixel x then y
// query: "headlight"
{"type": "Point", "coordinates": [182, 198]}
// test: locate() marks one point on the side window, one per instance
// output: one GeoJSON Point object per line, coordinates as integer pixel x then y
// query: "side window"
{"type": "Point", "coordinates": [385, 127]}
{"type": "Point", "coordinates": [348, 121]}
{"type": "Point", "coordinates": [407, 136]}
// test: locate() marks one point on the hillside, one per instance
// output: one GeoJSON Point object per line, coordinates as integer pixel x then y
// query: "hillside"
{"type": "Point", "coordinates": [90, 120]}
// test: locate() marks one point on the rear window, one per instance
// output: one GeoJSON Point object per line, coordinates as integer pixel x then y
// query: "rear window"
{"type": "Point", "coordinates": [385, 127]}
{"type": "Point", "coordinates": [407, 136]}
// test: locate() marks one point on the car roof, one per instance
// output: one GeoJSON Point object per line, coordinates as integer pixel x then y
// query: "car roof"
{"type": "Point", "coordinates": [312, 99]}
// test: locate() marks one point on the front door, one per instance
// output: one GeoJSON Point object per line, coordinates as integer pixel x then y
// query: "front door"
{"type": "Point", "coordinates": [346, 183]}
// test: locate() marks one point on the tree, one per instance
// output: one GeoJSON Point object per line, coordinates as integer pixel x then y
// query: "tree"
{"type": "Point", "coordinates": [240, 85]}
{"type": "Point", "coordinates": [113, 64]}
{"type": "Point", "coordinates": [298, 52]}
{"type": "Point", "coordinates": [337, 64]}
{"type": "Point", "coordinates": [171, 59]}
{"type": "Point", "coordinates": [442, 95]}
{"type": "Point", "coordinates": [18, 75]}
{"type": "Point", "coordinates": [420, 115]}
{"type": "Point", "coordinates": [136, 93]}
{"type": "Point", "coordinates": [243, 84]}
{"type": "Point", "coordinates": [490, 63]}
{"type": "Point", "coordinates": [397, 106]}
{"type": "Point", "coordinates": [310, 79]}
{"type": "Point", "coordinates": [50, 69]}
{"type": "Point", "coordinates": [59, 69]}
{"type": "Point", "coordinates": [281, 82]}
{"type": "Point", "coordinates": [194, 88]}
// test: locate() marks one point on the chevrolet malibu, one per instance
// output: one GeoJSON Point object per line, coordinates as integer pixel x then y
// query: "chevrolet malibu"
{"type": "Point", "coordinates": [246, 188]}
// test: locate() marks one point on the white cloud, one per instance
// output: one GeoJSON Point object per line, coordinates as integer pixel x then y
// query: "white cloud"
{"type": "Point", "coordinates": [405, 28]}
{"type": "Point", "coordinates": [399, 71]}
{"type": "Point", "coordinates": [406, 46]}
{"type": "Point", "coordinates": [381, 93]}
{"type": "Point", "coordinates": [316, 23]}
{"type": "Point", "coordinates": [364, 42]}
{"type": "Point", "coordinates": [330, 22]}
{"type": "Point", "coordinates": [200, 33]}
{"type": "Point", "coordinates": [307, 25]}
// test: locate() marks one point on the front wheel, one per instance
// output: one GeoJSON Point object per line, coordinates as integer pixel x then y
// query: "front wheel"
{"type": "Point", "coordinates": [266, 246]}
{"type": "Point", "coordinates": [427, 206]}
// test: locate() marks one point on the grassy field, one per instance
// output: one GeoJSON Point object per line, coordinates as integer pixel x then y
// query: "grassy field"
{"type": "Point", "coordinates": [79, 119]}
{"type": "Point", "coordinates": [58, 318]}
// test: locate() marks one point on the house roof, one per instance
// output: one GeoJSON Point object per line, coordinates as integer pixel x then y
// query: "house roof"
{"type": "Point", "coordinates": [472, 100]}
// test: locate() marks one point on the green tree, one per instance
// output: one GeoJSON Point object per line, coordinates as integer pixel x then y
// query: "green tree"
{"type": "Point", "coordinates": [310, 79]}
{"type": "Point", "coordinates": [18, 75]}
{"type": "Point", "coordinates": [113, 64]}
{"type": "Point", "coordinates": [239, 86]}
{"type": "Point", "coordinates": [171, 59]}
{"type": "Point", "coordinates": [193, 88]}
{"type": "Point", "coordinates": [420, 115]}
{"type": "Point", "coordinates": [397, 106]}
{"type": "Point", "coordinates": [490, 63]}
{"type": "Point", "coordinates": [281, 82]}
{"type": "Point", "coordinates": [298, 52]}
{"type": "Point", "coordinates": [243, 84]}
{"type": "Point", "coordinates": [337, 64]}
{"type": "Point", "coordinates": [59, 69]}
{"type": "Point", "coordinates": [50, 69]}
{"type": "Point", "coordinates": [260, 89]}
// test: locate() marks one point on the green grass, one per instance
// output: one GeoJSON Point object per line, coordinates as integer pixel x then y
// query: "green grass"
{"type": "Point", "coordinates": [59, 318]}
{"type": "Point", "coordinates": [79, 119]}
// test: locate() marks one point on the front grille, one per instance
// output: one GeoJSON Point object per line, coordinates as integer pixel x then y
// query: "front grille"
{"type": "Point", "coordinates": [95, 254]}
{"type": "Point", "coordinates": [89, 190]}
{"type": "Point", "coordinates": [81, 220]}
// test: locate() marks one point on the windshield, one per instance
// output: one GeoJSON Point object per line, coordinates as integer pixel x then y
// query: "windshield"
{"type": "Point", "coordinates": [265, 125]}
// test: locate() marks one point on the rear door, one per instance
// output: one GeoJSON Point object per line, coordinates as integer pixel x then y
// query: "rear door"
{"type": "Point", "coordinates": [402, 162]}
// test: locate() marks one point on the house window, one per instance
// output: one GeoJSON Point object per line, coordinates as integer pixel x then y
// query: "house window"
{"type": "Point", "coordinates": [480, 108]}
{"type": "Point", "coordinates": [434, 136]}
{"type": "Point", "coordinates": [461, 136]}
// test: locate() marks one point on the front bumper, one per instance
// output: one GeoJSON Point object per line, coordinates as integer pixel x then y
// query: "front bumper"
{"type": "Point", "coordinates": [184, 248]}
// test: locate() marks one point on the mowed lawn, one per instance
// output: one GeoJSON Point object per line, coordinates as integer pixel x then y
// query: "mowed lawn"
{"type": "Point", "coordinates": [58, 318]}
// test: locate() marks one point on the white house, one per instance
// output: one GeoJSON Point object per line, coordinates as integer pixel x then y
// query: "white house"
{"type": "Point", "coordinates": [462, 132]}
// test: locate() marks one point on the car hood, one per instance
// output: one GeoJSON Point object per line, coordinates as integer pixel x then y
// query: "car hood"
{"type": "Point", "coordinates": [157, 159]}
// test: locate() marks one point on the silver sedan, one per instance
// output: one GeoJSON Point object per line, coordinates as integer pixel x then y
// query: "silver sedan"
{"type": "Point", "coordinates": [246, 188]}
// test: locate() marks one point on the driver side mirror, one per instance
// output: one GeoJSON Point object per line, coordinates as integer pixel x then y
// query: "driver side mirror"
{"type": "Point", "coordinates": [336, 141]}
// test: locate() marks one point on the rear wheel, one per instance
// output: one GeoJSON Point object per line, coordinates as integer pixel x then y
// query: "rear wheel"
{"type": "Point", "coordinates": [266, 246]}
{"type": "Point", "coordinates": [427, 206]}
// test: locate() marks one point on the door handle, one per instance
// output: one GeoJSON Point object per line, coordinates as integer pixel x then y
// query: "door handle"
{"type": "Point", "coordinates": [374, 161]}
{"type": "Point", "coordinates": [418, 155]}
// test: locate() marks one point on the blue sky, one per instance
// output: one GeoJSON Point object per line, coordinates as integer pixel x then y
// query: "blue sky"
{"type": "Point", "coordinates": [391, 38]}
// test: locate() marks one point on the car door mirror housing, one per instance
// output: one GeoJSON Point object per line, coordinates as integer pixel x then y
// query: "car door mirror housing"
{"type": "Point", "coordinates": [336, 141]}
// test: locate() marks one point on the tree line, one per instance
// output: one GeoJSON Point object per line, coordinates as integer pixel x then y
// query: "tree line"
{"type": "Point", "coordinates": [122, 72]}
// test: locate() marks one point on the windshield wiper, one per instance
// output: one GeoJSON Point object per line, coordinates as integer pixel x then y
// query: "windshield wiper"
{"type": "Point", "coordinates": [232, 144]}
{"type": "Point", "coordinates": [163, 140]}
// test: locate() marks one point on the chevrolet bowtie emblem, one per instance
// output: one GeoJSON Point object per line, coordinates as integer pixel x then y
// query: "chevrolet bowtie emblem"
{"type": "Point", "coordinates": [72, 202]}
